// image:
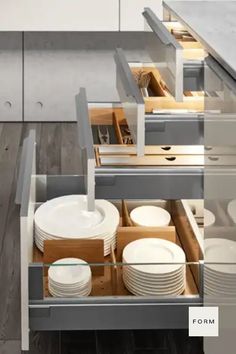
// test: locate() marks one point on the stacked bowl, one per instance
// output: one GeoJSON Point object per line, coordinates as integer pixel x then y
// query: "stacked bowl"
{"type": "Point", "coordinates": [69, 277]}
{"type": "Point", "coordinates": [154, 267]}
{"type": "Point", "coordinates": [220, 267]}
{"type": "Point", "coordinates": [67, 217]}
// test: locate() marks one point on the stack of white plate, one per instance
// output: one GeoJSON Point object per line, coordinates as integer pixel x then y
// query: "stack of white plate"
{"type": "Point", "coordinates": [220, 267]}
{"type": "Point", "coordinates": [67, 218]}
{"type": "Point", "coordinates": [69, 277]}
{"type": "Point", "coordinates": [143, 278]}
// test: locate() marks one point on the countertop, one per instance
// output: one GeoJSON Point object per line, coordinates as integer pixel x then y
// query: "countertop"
{"type": "Point", "coordinates": [213, 24]}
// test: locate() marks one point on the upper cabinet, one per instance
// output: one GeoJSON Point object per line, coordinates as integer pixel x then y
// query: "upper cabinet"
{"type": "Point", "coordinates": [131, 18]}
{"type": "Point", "coordinates": [59, 15]}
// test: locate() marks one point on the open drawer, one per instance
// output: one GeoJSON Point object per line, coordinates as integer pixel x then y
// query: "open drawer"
{"type": "Point", "coordinates": [111, 167]}
{"type": "Point", "coordinates": [157, 119]}
{"type": "Point", "coordinates": [109, 298]}
{"type": "Point", "coordinates": [176, 54]}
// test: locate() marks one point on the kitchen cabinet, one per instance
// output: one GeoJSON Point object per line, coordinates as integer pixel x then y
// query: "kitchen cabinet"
{"type": "Point", "coordinates": [131, 18]}
{"type": "Point", "coordinates": [11, 69]}
{"type": "Point", "coordinates": [40, 311]}
{"type": "Point", "coordinates": [59, 15]}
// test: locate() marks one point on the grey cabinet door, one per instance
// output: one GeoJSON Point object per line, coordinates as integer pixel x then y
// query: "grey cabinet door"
{"type": "Point", "coordinates": [57, 64]}
{"type": "Point", "coordinates": [10, 76]}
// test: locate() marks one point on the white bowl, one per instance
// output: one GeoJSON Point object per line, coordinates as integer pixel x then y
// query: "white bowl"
{"type": "Point", "coordinates": [150, 216]}
{"type": "Point", "coordinates": [209, 218]}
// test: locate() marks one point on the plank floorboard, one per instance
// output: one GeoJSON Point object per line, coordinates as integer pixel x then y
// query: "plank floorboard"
{"type": "Point", "coordinates": [70, 152]}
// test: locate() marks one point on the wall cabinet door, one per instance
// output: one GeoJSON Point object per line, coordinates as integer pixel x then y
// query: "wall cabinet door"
{"type": "Point", "coordinates": [10, 76]}
{"type": "Point", "coordinates": [59, 15]}
{"type": "Point", "coordinates": [131, 18]}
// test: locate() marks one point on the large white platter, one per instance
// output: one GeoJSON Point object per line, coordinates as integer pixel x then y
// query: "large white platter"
{"type": "Point", "coordinates": [67, 217]}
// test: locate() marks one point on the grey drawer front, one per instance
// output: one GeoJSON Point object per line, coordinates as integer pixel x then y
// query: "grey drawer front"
{"type": "Point", "coordinates": [109, 316]}
{"type": "Point", "coordinates": [174, 130]}
{"type": "Point", "coordinates": [162, 183]}
{"type": "Point", "coordinates": [165, 51]}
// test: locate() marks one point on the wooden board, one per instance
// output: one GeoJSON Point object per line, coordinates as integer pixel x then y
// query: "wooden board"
{"type": "Point", "coordinates": [127, 235]}
{"type": "Point", "coordinates": [91, 251]}
{"type": "Point", "coordinates": [104, 116]}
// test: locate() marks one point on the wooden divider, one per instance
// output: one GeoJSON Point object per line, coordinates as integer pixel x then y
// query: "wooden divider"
{"type": "Point", "coordinates": [91, 251]}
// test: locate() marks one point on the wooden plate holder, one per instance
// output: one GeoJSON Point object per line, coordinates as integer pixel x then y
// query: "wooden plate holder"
{"type": "Point", "coordinates": [91, 251]}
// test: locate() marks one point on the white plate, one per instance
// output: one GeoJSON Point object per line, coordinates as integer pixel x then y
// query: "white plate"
{"type": "Point", "coordinates": [154, 250]}
{"type": "Point", "coordinates": [220, 277]}
{"type": "Point", "coordinates": [218, 291]}
{"type": "Point", "coordinates": [151, 291]}
{"type": "Point", "coordinates": [47, 235]}
{"type": "Point", "coordinates": [109, 239]}
{"type": "Point", "coordinates": [63, 273]}
{"type": "Point", "coordinates": [153, 285]}
{"type": "Point", "coordinates": [155, 279]}
{"type": "Point", "coordinates": [209, 218]}
{"type": "Point", "coordinates": [69, 287]}
{"type": "Point", "coordinates": [220, 251]}
{"type": "Point", "coordinates": [232, 210]}
{"type": "Point", "coordinates": [215, 285]}
{"type": "Point", "coordinates": [61, 294]}
{"type": "Point", "coordinates": [67, 217]}
{"type": "Point", "coordinates": [150, 216]}
{"type": "Point", "coordinates": [160, 277]}
{"type": "Point", "coordinates": [140, 292]}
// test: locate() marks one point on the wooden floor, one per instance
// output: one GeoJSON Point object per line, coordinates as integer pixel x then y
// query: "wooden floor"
{"type": "Point", "coordinates": [57, 153]}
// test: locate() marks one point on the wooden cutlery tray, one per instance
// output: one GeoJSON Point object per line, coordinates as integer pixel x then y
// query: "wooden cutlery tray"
{"type": "Point", "coordinates": [107, 271]}
{"type": "Point", "coordinates": [161, 99]}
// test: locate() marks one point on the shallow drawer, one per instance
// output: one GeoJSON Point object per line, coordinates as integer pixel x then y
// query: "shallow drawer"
{"type": "Point", "coordinates": [159, 108]}
{"type": "Point", "coordinates": [112, 166]}
{"type": "Point", "coordinates": [170, 48]}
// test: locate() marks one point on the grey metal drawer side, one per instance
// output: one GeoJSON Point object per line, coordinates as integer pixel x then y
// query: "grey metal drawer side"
{"type": "Point", "coordinates": [194, 76]}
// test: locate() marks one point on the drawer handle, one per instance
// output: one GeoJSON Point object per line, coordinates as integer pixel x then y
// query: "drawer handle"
{"type": "Point", "coordinates": [213, 158]}
{"type": "Point", "coordinates": [166, 148]}
{"type": "Point", "coordinates": [8, 104]}
{"type": "Point", "coordinates": [171, 158]}
{"type": "Point", "coordinates": [208, 148]}
{"type": "Point", "coordinates": [39, 105]}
